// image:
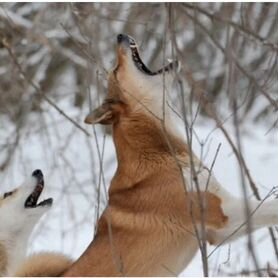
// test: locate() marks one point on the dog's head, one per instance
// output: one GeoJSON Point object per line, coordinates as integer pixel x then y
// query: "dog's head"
{"type": "Point", "coordinates": [133, 87]}
{"type": "Point", "coordinates": [20, 209]}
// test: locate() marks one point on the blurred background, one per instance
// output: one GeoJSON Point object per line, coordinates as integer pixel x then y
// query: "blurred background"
{"type": "Point", "coordinates": [54, 59]}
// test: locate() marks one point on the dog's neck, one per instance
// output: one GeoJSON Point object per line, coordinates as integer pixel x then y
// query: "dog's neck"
{"type": "Point", "coordinates": [143, 145]}
{"type": "Point", "coordinates": [140, 133]}
{"type": "Point", "coordinates": [13, 249]}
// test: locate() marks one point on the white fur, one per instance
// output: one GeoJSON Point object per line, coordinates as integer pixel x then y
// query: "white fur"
{"type": "Point", "coordinates": [206, 182]}
{"type": "Point", "coordinates": [150, 90]}
{"type": "Point", "coordinates": [262, 214]}
{"type": "Point", "coordinates": [17, 223]}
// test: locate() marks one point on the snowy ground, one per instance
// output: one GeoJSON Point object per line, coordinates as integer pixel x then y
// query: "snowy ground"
{"type": "Point", "coordinates": [71, 165]}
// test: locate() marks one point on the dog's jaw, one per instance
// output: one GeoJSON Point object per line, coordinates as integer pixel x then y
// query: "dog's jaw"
{"type": "Point", "coordinates": [15, 234]}
{"type": "Point", "coordinates": [128, 46]}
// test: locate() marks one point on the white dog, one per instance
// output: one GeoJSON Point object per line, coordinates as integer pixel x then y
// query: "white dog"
{"type": "Point", "coordinates": [19, 213]}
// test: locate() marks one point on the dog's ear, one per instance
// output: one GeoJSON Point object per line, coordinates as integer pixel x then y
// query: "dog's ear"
{"type": "Point", "coordinates": [107, 113]}
{"type": "Point", "coordinates": [101, 115]}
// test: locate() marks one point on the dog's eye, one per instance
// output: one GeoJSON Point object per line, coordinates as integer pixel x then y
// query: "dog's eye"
{"type": "Point", "coordinates": [7, 194]}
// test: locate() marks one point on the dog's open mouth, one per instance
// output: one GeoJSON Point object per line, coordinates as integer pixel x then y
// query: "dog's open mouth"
{"type": "Point", "coordinates": [138, 61]}
{"type": "Point", "coordinates": [32, 200]}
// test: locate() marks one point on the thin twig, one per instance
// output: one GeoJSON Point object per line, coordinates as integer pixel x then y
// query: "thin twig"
{"type": "Point", "coordinates": [273, 102]}
{"type": "Point", "coordinates": [241, 28]}
{"type": "Point", "coordinates": [42, 94]}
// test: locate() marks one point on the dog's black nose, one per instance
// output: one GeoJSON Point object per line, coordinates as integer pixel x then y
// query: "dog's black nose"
{"type": "Point", "coordinates": [37, 173]}
{"type": "Point", "coordinates": [126, 39]}
{"type": "Point", "coordinates": [120, 38]}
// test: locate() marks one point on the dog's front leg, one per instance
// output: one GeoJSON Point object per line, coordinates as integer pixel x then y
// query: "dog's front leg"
{"type": "Point", "coordinates": [262, 214]}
